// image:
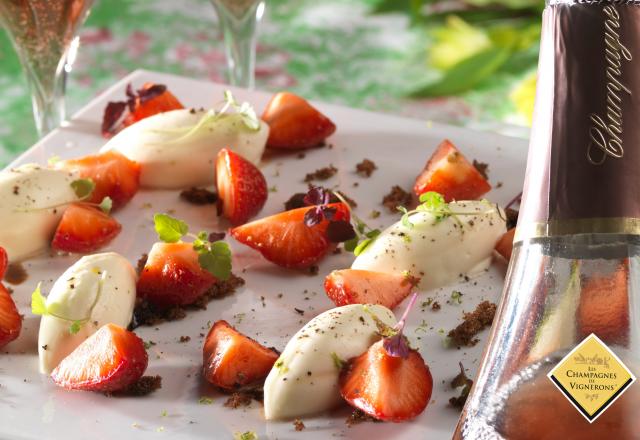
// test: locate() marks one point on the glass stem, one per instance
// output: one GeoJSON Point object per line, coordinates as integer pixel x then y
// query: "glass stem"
{"type": "Point", "coordinates": [48, 102]}
{"type": "Point", "coordinates": [239, 26]}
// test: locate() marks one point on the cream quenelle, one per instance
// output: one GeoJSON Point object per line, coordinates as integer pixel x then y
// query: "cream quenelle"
{"type": "Point", "coordinates": [178, 149]}
{"type": "Point", "coordinates": [438, 248]}
{"type": "Point", "coordinates": [98, 289]}
{"type": "Point", "coordinates": [32, 201]}
{"type": "Point", "coordinates": [304, 380]}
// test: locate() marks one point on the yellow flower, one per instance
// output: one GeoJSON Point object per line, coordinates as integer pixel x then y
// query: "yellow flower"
{"type": "Point", "coordinates": [456, 41]}
{"type": "Point", "coordinates": [523, 96]}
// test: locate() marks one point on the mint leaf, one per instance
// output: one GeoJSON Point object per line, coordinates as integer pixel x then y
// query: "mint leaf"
{"type": "Point", "coordinates": [432, 200]}
{"type": "Point", "coordinates": [75, 327]}
{"type": "Point", "coordinates": [216, 260]}
{"type": "Point", "coordinates": [169, 229]}
{"type": "Point", "coordinates": [362, 246]}
{"type": "Point", "coordinates": [106, 205]}
{"type": "Point", "coordinates": [38, 302]}
{"type": "Point", "coordinates": [83, 188]}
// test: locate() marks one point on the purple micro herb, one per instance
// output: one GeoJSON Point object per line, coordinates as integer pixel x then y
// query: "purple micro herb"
{"type": "Point", "coordinates": [397, 345]}
{"type": "Point", "coordinates": [114, 110]}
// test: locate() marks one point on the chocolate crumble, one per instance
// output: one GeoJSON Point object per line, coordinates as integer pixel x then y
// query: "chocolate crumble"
{"type": "Point", "coordinates": [396, 197]}
{"type": "Point", "coordinates": [199, 196]}
{"type": "Point", "coordinates": [142, 261]}
{"type": "Point", "coordinates": [238, 399]}
{"type": "Point", "coordinates": [483, 168]}
{"type": "Point", "coordinates": [321, 174]}
{"type": "Point", "coordinates": [474, 322]}
{"type": "Point", "coordinates": [359, 416]}
{"type": "Point", "coordinates": [144, 386]}
{"type": "Point", "coordinates": [366, 168]}
{"type": "Point", "coordinates": [298, 424]}
{"type": "Point", "coordinates": [461, 380]}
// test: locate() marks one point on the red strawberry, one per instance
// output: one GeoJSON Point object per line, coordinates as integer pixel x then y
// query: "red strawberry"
{"type": "Point", "coordinates": [242, 189]}
{"type": "Point", "coordinates": [10, 319]}
{"type": "Point", "coordinates": [114, 175]}
{"type": "Point", "coordinates": [388, 388]}
{"type": "Point", "coordinates": [233, 360]}
{"type": "Point", "coordinates": [172, 275]}
{"type": "Point", "coordinates": [294, 123]}
{"type": "Point", "coordinates": [162, 103]}
{"type": "Point", "coordinates": [352, 286]}
{"type": "Point", "coordinates": [109, 360]}
{"type": "Point", "coordinates": [84, 228]}
{"type": "Point", "coordinates": [285, 240]}
{"type": "Point", "coordinates": [449, 173]}
{"type": "Point", "coordinates": [4, 262]}
{"type": "Point", "coordinates": [505, 245]}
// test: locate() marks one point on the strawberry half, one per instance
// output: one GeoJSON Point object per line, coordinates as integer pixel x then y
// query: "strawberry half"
{"type": "Point", "coordinates": [232, 360]}
{"type": "Point", "coordinates": [505, 245]}
{"type": "Point", "coordinates": [143, 108]}
{"type": "Point", "coordinates": [284, 238]}
{"type": "Point", "coordinates": [294, 123]}
{"type": "Point", "coordinates": [242, 189]}
{"type": "Point", "coordinates": [386, 387]}
{"type": "Point", "coordinates": [173, 276]}
{"type": "Point", "coordinates": [10, 319]}
{"type": "Point", "coordinates": [109, 360]}
{"type": "Point", "coordinates": [352, 286]}
{"type": "Point", "coordinates": [4, 262]}
{"type": "Point", "coordinates": [114, 175]}
{"type": "Point", "coordinates": [84, 228]}
{"type": "Point", "coordinates": [449, 173]}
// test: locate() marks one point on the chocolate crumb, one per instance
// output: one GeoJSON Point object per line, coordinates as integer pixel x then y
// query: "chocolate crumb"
{"type": "Point", "coordinates": [142, 261]}
{"type": "Point", "coordinates": [313, 270]}
{"type": "Point", "coordinates": [474, 322]}
{"type": "Point", "coordinates": [461, 380]}
{"type": "Point", "coordinates": [297, 423]}
{"type": "Point", "coordinates": [238, 399]}
{"type": "Point", "coordinates": [216, 236]}
{"type": "Point", "coordinates": [301, 155]}
{"type": "Point", "coordinates": [435, 306]}
{"type": "Point", "coordinates": [512, 217]}
{"type": "Point", "coordinates": [483, 168]}
{"type": "Point", "coordinates": [366, 168]}
{"type": "Point", "coordinates": [199, 196]}
{"type": "Point", "coordinates": [144, 386]}
{"type": "Point", "coordinates": [359, 416]}
{"type": "Point", "coordinates": [299, 311]}
{"type": "Point", "coordinates": [184, 339]}
{"type": "Point", "coordinates": [499, 185]}
{"type": "Point", "coordinates": [321, 174]}
{"type": "Point", "coordinates": [396, 197]}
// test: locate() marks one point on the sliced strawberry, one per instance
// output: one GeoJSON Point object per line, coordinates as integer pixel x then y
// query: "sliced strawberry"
{"type": "Point", "coordinates": [352, 286]}
{"type": "Point", "coordinates": [173, 276]}
{"type": "Point", "coordinates": [285, 240]}
{"type": "Point", "coordinates": [114, 175]}
{"type": "Point", "coordinates": [84, 228]}
{"type": "Point", "coordinates": [242, 189]}
{"type": "Point", "coordinates": [294, 123]}
{"type": "Point", "coordinates": [449, 173]}
{"type": "Point", "coordinates": [109, 360]}
{"type": "Point", "coordinates": [232, 360]}
{"type": "Point", "coordinates": [10, 319]}
{"type": "Point", "coordinates": [4, 262]}
{"type": "Point", "coordinates": [388, 388]}
{"type": "Point", "coordinates": [164, 102]}
{"type": "Point", "coordinates": [505, 245]}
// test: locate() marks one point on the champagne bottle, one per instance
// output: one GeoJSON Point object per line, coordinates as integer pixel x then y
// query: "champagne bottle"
{"type": "Point", "coordinates": [575, 267]}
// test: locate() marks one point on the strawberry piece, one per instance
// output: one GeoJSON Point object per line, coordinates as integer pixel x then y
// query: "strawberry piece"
{"type": "Point", "coordinates": [114, 175]}
{"type": "Point", "coordinates": [232, 360]}
{"type": "Point", "coordinates": [84, 228]}
{"type": "Point", "coordinates": [242, 189]}
{"type": "Point", "coordinates": [294, 123]}
{"type": "Point", "coordinates": [109, 360]}
{"type": "Point", "coordinates": [284, 238]}
{"type": "Point", "coordinates": [142, 108]}
{"type": "Point", "coordinates": [505, 245]}
{"type": "Point", "coordinates": [10, 319]}
{"type": "Point", "coordinates": [173, 276]}
{"type": "Point", "coordinates": [353, 286]}
{"type": "Point", "coordinates": [388, 388]}
{"type": "Point", "coordinates": [4, 262]}
{"type": "Point", "coordinates": [449, 173]}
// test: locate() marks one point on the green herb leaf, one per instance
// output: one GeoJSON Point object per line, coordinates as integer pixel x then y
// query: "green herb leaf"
{"type": "Point", "coordinates": [38, 302]}
{"type": "Point", "coordinates": [169, 229]}
{"type": "Point", "coordinates": [350, 245]}
{"type": "Point", "coordinates": [106, 205]}
{"type": "Point", "coordinates": [217, 260]}
{"type": "Point", "coordinates": [405, 217]}
{"type": "Point", "coordinates": [339, 363]}
{"type": "Point", "coordinates": [83, 188]}
{"type": "Point", "coordinates": [360, 248]}
{"type": "Point", "coordinates": [75, 327]}
{"type": "Point", "coordinates": [432, 200]}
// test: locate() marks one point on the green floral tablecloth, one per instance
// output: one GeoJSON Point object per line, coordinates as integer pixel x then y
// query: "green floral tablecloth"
{"type": "Point", "coordinates": [331, 50]}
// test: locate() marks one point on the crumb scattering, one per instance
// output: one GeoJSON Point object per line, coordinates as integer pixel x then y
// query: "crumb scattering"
{"type": "Point", "coordinates": [366, 168]}
{"type": "Point", "coordinates": [472, 323]}
{"type": "Point", "coordinates": [396, 197]}
{"type": "Point", "coordinates": [199, 196]}
{"type": "Point", "coordinates": [321, 174]}
{"type": "Point", "coordinates": [298, 425]}
{"type": "Point", "coordinates": [144, 386]}
{"type": "Point", "coordinates": [482, 167]}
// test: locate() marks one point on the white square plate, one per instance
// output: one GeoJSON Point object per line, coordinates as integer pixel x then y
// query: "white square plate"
{"type": "Point", "coordinates": [31, 407]}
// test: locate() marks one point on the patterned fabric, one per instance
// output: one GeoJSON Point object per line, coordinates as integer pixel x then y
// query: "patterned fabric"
{"type": "Point", "coordinates": [330, 50]}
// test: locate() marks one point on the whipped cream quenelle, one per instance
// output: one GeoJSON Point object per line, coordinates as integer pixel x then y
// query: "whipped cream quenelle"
{"type": "Point", "coordinates": [438, 251]}
{"type": "Point", "coordinates": [304, 380]}
{"type": "Point", "coordinates": [173, 154]}
{"type": "Point", "coordinates": [32, 201]}
{"type": "Point", "coordinates": [98, 289]}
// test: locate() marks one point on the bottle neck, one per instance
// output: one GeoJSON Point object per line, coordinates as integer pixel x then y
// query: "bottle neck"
{"type": "Point", "coordinates": [582, 171]}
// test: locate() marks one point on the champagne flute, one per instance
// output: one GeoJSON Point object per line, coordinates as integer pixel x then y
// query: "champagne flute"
{"type": "Point", "coordinates": [239, 20]}
{"type": "Point", "coordinates": [43, 33]}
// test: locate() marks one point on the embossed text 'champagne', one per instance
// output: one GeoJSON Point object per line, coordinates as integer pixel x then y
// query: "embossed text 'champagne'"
{"type": "Point", "coordinates": [575, 269]}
